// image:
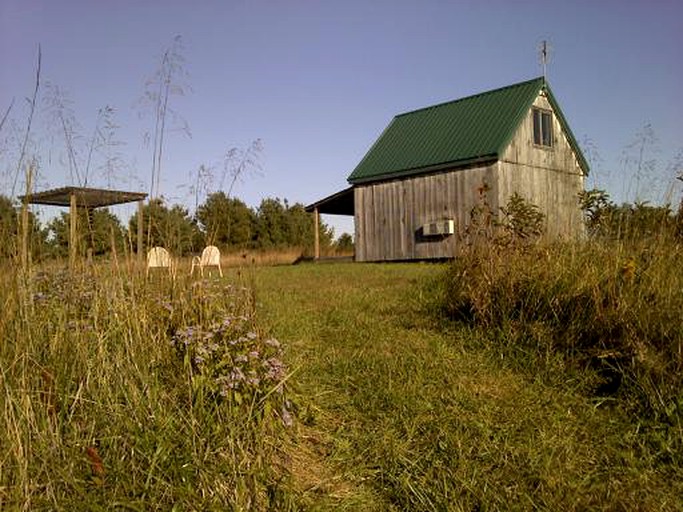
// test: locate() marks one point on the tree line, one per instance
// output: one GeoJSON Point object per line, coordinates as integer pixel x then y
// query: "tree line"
{"type": "Point", "coordinates": [224, 221]}
{"type": "Point", "coordinates": [639, 220]}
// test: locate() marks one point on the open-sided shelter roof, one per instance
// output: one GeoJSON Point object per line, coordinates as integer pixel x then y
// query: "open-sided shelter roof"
{"type": "Point", "coordinates": [340, 203]}
{"type": "Point", "coordinates": [85, 197]}
{"type": "Point", "coordinates": [468, 131]}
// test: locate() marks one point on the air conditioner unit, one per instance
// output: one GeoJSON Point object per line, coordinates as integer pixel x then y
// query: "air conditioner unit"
{"type": "Point", "coordinates": [439, 228]}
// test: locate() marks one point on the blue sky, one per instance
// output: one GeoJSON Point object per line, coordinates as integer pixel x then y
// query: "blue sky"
{"type": "Point", "coordinates": [317, 82]}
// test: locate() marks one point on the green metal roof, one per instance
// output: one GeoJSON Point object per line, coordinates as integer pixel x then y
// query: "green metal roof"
{"type": "Point", "coordinates": [470, 130]}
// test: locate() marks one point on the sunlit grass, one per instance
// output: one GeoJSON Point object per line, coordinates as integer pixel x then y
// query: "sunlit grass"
{"type": "Point", "coordinates": [399, 410]}
{"type": "Point", "coordinates": [121, 392]}
{"type": "Point", "coordinates": [105, 402]}
{"type": "Point", "coordinates": [241, 259]}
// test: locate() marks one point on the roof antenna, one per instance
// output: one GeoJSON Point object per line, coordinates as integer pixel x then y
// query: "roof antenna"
{"type": "Point", "coordinates": [544, 56]}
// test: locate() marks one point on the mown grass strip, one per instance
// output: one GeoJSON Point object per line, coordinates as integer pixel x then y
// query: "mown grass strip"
{"type": "Point", "coordinates": [400, 411]}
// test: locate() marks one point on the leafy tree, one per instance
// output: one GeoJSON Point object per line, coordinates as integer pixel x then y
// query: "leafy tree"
{"type": "Point", "coordinates": [105, 231]}
{"type": "Point", "coordinates": [274, 224]}
{"type": "Point", "coordinates": [299, 227]}
{"type": "Point", "coordinates": [271, 224]}
{"type": "Point", "coordinates": [280, 225]}
{"type": "Point", "coordinates": [96, 231]}
{"type": "Point", "coordinates": [8, 227]}
{"type": "Point", "coordinates": [627, 221]}
{"type": "Point", "coordinates": [172, 228]}
{"type": "Point", "coordinates": [344, 243]}
{"type": "Point", "coordinates": [9, 230]}
{"type": "Point", "coordinates": [58, 229]}
{"type": "Point", "coordinates": [226, 221]}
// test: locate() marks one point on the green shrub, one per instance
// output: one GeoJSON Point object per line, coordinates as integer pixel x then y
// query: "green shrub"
{"type": "Point", "coordinates": [517, 224]}
{"type": "Point", "coordinates": [629, 222]}
{"type": "Point", "coordinates": [611, 306]}
{"type": "Point", "coordinates": [521, 221]}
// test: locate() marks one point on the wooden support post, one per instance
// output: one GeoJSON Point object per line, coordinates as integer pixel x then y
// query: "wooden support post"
{"type": "Point", "coordinates": [141, 204]}
{"type": "Point", "coordinates": [24, 221]}
{"type": "Point", "coordinates": [73, 225]}
{"type": "Point", "coordinates": [24, 235]}
{"type": "Point", "coordinates": [316, 215]}
{"type": "Point", "coordinates": [90, 242]}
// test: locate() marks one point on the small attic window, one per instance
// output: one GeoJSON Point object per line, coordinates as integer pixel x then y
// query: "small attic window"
{"type": "Point", "coordinates": [543, 127]}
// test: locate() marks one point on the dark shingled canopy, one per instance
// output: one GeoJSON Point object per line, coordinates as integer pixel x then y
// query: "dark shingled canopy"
{"type": "Point", "coordinates": [85, 197]}
{"type": "Point", "coordinates": [88, 198]}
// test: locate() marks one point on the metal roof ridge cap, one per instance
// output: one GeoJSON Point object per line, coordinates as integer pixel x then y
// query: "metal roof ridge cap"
{"type": "Point", "coordinates": [471, 96]}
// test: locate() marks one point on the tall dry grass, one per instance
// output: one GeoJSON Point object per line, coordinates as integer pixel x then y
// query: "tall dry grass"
{"type": "Point", "coordinates": [259, 258]}
{"type": "Point", "coordinates": [611, 306]}
{"type": "Point", "coordinates": [117, 392]}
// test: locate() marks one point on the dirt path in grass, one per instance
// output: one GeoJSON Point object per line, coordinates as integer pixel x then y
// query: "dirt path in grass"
{"type": "Point", "coordinates": [330, 317]}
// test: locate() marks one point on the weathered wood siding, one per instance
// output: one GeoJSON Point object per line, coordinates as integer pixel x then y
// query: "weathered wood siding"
{"type": "Point", "coordinates": [550, 178]}
{"type": "Point", "coordinates": [389, 215]}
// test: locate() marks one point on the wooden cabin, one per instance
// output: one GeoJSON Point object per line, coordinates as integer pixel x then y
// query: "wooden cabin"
{"type": "Point", "coordinates": [414, 190]}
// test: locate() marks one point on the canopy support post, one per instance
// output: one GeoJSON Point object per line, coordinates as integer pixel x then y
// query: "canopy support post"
{"type": "Point", "coordinates": [73, 225]}
{"type": "Point", "coordinates": [141, 203]}
{"type": "Point", "coordinates": [316, 223]}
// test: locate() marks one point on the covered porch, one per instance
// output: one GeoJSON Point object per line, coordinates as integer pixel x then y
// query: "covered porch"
{"type": "Point", "coordinates": [339, 203]}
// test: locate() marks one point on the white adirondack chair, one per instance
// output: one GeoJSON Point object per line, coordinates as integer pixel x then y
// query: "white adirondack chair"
{"type": "Point", "coordinates": [211, 257]}
{"type": "Point", "coordinates": [158, 257]}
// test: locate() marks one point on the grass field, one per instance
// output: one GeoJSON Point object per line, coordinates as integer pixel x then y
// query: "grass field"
{"type": "Point", "coordinates": [335, 386]}
{"type": "Point", "coordinates": [399, 411]}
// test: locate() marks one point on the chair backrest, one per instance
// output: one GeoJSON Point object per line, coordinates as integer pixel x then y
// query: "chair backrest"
{"type": "Point", "coordinates": [158, 257]}
{"type": "Point", "coordinates": [211, 256]}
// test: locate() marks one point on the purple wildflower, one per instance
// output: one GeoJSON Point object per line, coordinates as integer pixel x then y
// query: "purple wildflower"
{"type": "Point", "coordinates": [275, 369]}
{"type": "Point", "coordinates": [236, 374]}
